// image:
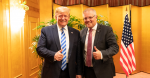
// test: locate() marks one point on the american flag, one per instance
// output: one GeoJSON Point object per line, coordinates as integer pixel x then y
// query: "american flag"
{"type": "Point", "coordinates": [127, 56]}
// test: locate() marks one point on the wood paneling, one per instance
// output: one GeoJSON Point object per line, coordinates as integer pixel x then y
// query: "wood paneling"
{"type": "Point", "coordinates": [17, 61]}
{"type": "Point", "coordinates": [32, 20]}
{"type": "Point", "coordinates": [4, 30]}
{"type": "Point", "coordinates": [32, 60]}
{"type": "Point", "coordinates": [16, 55]}
{"type": "Point", "coordinates": [33, 3]}
{"type": "Point", "coordinates": [1, 41]}
{"type": "Point", "coordinates": [33, 9]}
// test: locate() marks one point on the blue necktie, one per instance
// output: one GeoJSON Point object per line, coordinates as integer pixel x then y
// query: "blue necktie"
{"type": "Point", "coordinates": [63, 46]}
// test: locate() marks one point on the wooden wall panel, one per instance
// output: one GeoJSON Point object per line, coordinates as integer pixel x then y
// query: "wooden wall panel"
{"type": "Point", "coordinates": [16, 65]}
{"type": "Point", "coordinates": [16, 55]}
{"type": "Point", "coordinates": [1, 41]}
{"type": "Point", "coordinates": [33, 61]}
{"type": "Point", "coordinates": [17, 61]}
{"type": "Point", "coordinates": [4, 32]}
{"type": "Point", "coordinates": [32, 20]}
{"type": "Point", "coordinates": [33, 3]}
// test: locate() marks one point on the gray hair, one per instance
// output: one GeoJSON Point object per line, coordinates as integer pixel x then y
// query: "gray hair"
{"type": "Point", "coordinates": [90, 9]}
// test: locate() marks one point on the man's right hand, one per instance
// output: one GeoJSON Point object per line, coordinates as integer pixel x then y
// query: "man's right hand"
{"type": "Point", "coordinates": [58, 56]}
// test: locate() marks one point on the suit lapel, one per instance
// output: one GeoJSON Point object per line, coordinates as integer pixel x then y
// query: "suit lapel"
{"type": "Point", "coordinates": [84, 34]}
{"type": "Point", "coordinates": [56, 37]}
{"type": "Point", "coordinates": [71, 38]}
{"type": "Point", "coordinates": [97, 35]}
{"type": "Point", "coordinates": [84, 37]}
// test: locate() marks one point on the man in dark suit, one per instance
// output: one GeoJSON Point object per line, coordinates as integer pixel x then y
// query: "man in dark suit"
{"type": "Point", "coordinates": [59, 45]}
{"type": "Point", "coordinates": [98, 44]}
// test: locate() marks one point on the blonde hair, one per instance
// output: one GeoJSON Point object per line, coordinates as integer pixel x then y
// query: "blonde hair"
{"type": "Point", "coordinates": [90, 9]}
{"type": "Point", "coordinates": [62, 9]}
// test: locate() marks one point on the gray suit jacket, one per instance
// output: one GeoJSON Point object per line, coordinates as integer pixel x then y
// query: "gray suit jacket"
{"type": "Point", "coordinates": [106, 42]}
{"type": "Point", "coordinates": [49, 44]}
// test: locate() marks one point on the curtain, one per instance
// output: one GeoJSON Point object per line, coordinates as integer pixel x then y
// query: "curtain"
{"type": "Point", "coordinates": [140, 3]}
{"type": "Point", "coordinates": [90, 3]}
{"type": "Point", "coordinates": [111, 3]}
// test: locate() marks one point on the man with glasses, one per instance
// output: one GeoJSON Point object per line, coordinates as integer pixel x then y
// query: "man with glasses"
{"type": "Point", "coordinates": [59, 45]}
{"type": "Point", "coordinates": [98, 45]}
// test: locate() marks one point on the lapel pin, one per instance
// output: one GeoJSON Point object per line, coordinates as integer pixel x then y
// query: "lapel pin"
{"type": "Point", "coordinates": [71, 32]}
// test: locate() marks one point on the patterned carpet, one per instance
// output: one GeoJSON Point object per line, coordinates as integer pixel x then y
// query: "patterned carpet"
{"type": "Point", "coordinates": [137, 75]}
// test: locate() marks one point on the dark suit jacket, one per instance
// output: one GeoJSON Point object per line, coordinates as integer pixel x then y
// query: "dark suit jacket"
{"type": "Point", "coordinates": [49, 44]}
{"type": "Point", "coordinates": [105, 41]}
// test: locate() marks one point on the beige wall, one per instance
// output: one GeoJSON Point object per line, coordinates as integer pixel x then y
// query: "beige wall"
{"type": "Point", "coordinates": [45, 10]}
{"type": "Point", "coordinates": [137, 33]}
{"type": "Point", "coordinates": [145, 39]}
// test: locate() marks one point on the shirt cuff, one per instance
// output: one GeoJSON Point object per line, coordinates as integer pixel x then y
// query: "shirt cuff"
{"type": "Point", "coordinates": [54, 59]}
{"type": "Point", "coordinates": [101, 55]}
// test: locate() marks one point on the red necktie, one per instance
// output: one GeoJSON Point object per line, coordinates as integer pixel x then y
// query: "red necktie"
{"type": "Point", "coordinates": [89, 49]}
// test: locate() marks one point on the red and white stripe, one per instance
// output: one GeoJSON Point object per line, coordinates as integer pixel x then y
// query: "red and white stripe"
{"type": "Point", "coordinates": [127, 58]}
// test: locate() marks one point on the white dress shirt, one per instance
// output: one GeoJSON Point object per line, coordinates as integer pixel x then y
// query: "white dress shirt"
{"type": "Point", "coordinates": [86, 42]}
{"type": "Point", "coordinates": [67, 38]}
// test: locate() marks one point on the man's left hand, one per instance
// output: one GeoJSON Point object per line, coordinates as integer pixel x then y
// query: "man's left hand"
{"type": "Point", "coordinates": [97, 54]}
{"type": "Point", "coordinates": [78, 76]}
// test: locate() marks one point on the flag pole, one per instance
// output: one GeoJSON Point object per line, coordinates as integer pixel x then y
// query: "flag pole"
{"type": "Point", "coordinates": [130, 12]}
{"type": "Point", "coordinates": [126, 13]}
{"type": "Point", "coordinates": [126, 10]}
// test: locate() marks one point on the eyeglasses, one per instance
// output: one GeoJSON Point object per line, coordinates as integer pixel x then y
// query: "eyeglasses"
{"type": "Point", "coordinates": [88, 18]}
